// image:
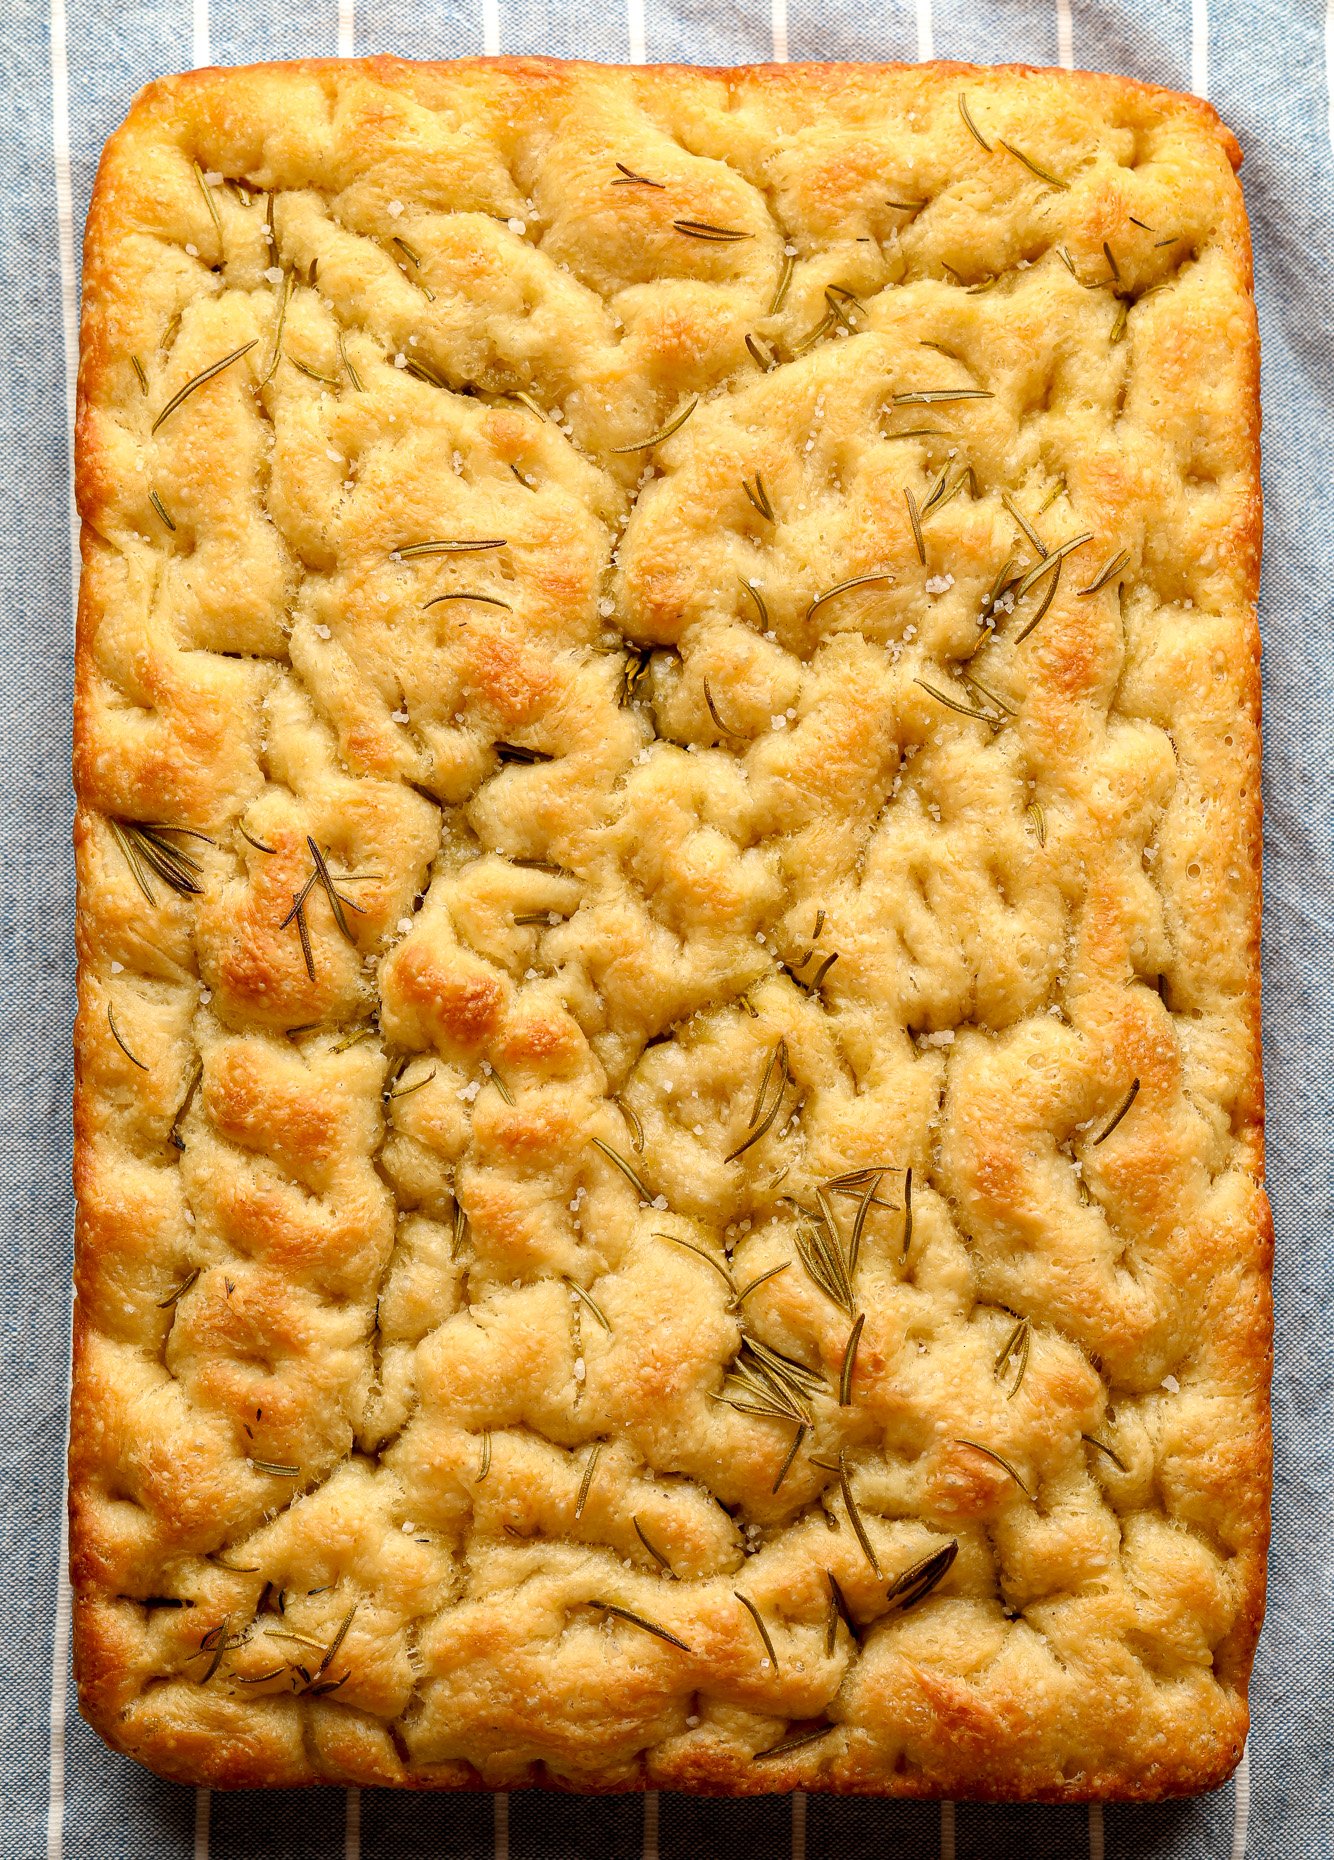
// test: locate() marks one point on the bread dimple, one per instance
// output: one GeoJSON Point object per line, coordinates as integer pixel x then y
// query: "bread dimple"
{"type": "Point", "coordinates": [669, 1115]}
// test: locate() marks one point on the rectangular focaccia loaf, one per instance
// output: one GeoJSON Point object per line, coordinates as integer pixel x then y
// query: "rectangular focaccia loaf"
{"type": "Point", "coordinates": [669, 1118]}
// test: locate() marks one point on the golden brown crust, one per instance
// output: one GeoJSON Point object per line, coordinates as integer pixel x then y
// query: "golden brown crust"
{"type": "Point", "coordinates": [408, 878]}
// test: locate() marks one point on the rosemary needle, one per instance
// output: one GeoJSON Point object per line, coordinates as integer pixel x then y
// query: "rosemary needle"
{"type": "Point", "coordinates": [845, 587]}
{"type": "Point", "coordinates": [759, 497]}
{"type": "Point", "coordinates": [708, 1258]}
{"type": "Point", "coordinates": [917, 1582]}
{"type": "Point", "coordinates": [410, 552]}
{"type": "Point", "coordinates": [784, 280]}
{"type": "Point", "coordinates": [138, 367]}
{"type": "Point", "coordinates": [209, 202]}
{"type": "Point", "coordinates": [1042, 174]}
{"type": "Point", "coordinates": [797, 1742]}
{"type": "Point", "coordinates": [1130, 1098]}
{"type": "Point", "coordinates": [115, 1034]}
{"type": "Point", "coordinates": [651, 1547]}
{"type": "Point", "coordinates": [1050, 561]}
{"type": "Point", "coordinates": [937, 397]}
{"type": "Point", "coordinates": [758, 1619]}
{"type": "Point", "coordinates": [164, 1304]}
{"type": "Point", "coordinates": [488, 600]}
{"type": "Point", "coordinates": [486, 1458]}
{"type": "Point", "coordinates": [1106, 574]}
{"type": "Point", "coordinates": [586, 1298]}
{"type": "Point", "coordinates": [161, 509]}
{"type": "Point", "coordinates": [664, 433]}
{"type": "Point", "coordinates": [1017, 1345]}
{"type": "Point", "coordinates": [589, 1469]}
{"type": "Point", "coordinates": [791, 1455]}
{"type": "Point", "coordinates": [850, 1362]}
{"type": "Point", "coordinates": [964, 710]}
{"type": "Point", "coordinates": [988, 1453]}
{"type": "Point", "coordinates": [628, 178]}
{"type": "Point", "coordinates": [724, 728]}
{"type": "Point", "coordinates": [975, 132]}
{"type": "Point", "coordinates": [614, 1156]}
{"type": "Point", "coordinates": [915, 519]}
{"type": "Point", "coordinates": [639, 1621]}
{"type": "Point", "coordinates": [758, 599]}
{"type": "Point", "coordinates": [1111, 1452]}
{"type": "Point", "coordinates": [854, 1516]}
{"type": "Point", "coordinates": [704, 229]}
{"type": "Point", "coordinates": [198, 381]}
{"type": "Point", "coordinates": [759, 1280]}
{"type": "Point", "coordinates": [907, 1212]}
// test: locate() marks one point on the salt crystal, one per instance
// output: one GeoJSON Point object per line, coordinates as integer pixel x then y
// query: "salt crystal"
{"type": "Point", "coordinates": [660, 1203]}
{"type": "Point", "coordinates": [193, 251]}
{"type": "Point", "coordinates": [118, 968]}
{"type": "Point", "coordinates": [395, 208]}
{"type": "Point", "coordinates": [939, 584]}
{"type": "Point", "coordinates": [1172, 1385]}
{"type": "Point", "coordinates": [399, 716]}
{"type": "Point", "coordinates": [323, 632]}
{"type": "Point", "coordinates": [274, 274]}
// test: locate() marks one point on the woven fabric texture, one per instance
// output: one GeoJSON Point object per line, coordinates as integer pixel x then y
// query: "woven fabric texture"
{"type": "Point", "coordinates": [68, 70]}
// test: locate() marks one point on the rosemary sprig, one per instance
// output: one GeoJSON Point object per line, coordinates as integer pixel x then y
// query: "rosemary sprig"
{"type": "Point", "coordinates": [707, 1257]}
{"type": "Point", "coordinates": [758, 1619]}
{"type": "Point", "coordinates": [759, 497]}
{"type": "Point", "coordinates": [1111, 1452]}
{"type": "Point", "coordinates": [162, 511]}
{"type": "Point", "coordinates": [939, 397]}
{"type": "Point", "coordinates": [855, 1516]}
{"type": "Point", "coordinates": [147, 851]}
{"type": "Point", "coordinates": [488, 600]}
{"type": "Point", "coordinates": [1049, 562]}
{"type": "Point", "coordinates": [758, 599]}
{"type": "Point", "coordinates": [326, 882]}
{"type": "Point", "coordinates": [791, 1455]}
{"type": "Point", "coordinates": [784, 280]}
{"type": "Point", "coordinates": [767, 1384]}
{"type": "Point", "coordinates": [628, 178]}
{"type": "Point", "coordinates": [704, 229]}
{"type": "Point", "coordinates": [674, 425]}
{"type": "Point", "coordinates": [797, 1742]}
{"type": "Point", "coordinates": [651, 1547]}
{"type": "Point", "coordinates": [821, 1254]}
{"type": "Point", "coordinates": [990, 1454]}
{"type": "Point", "coordinates": [974, 131]}
{"type": "Point", "coordinates": [1042, 174]}
{"type": "Point", "coordinates": [914, 518]}
{"type": "Point", "coordinates": [590, 1467]}
{"type": "Point", "coordinates": [845, 587]}
{"type": "Point", "coordinates": [486, 1457]}
{"type": "Point", "coordinates": [585, 1298]}
{"type": "Point", "coordinates": [917, 1581]}
{"type": "Point", "coordinates": [614, 1156]}
{"type": "Point", "coordinates": [964, 710]}
{"type": "Point", "coordinates": [1130, 1098]}
{"type": "Point", "coordinates": [640, 1621]}
{"type": "Point", "coordinates": [165, 1304]}
{"type": "Point", "coordinates": [1106, 574]}
{"type": "Point", "coordinates": [1017, 1346]}
{"type": "Point", "coordinates": [451, 545]}
{"type": "Point", "coordinates": [838, 1611]}
{"type": "Point", "coordinates": [850, 1362]}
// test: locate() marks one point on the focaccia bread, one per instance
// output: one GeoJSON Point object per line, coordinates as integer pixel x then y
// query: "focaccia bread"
{"type": "Point", "coordinates": [669, 1119]}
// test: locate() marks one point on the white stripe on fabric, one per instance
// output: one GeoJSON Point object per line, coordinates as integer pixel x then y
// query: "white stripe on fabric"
{"type": "Point", "coordinates": [650, 1824]}
{"type": "Point", "coordinates": [635, 22]}
{"type": "Point", "coordinates": [200, 55]}
{"type": "Point", "coordinates": [352, 1826]}
{"type": "Point", "coordinates": [347, 27]}
{"type": "Point", "coordinates": [1199, 47]}
{"type": "Point", "coordinates": [926, 47]}
{"type": "Point", "coordinates": [69, 304]}
{"type": "Point", "coordinates": [502, 1826]}
{"type": "Point", "coordinates": [780, 31]}
{"type": "Point", "coordinates": [947, 1831]}
{"type": "Point", "coordinates": [1241, 1810]}
{"type": "Point", "coordinates": [491, 28]}
{"type": "Point", "coordinates": [799, 1824]}
{"type": "Point", "coordinates": [1329, 65]}
{"type": "Point", "coordinates": [1065, 36]}
{"type": "Point", "coordinates": [1097, 1843]}
{"type": "Point", "coordinates": [203, 1802]}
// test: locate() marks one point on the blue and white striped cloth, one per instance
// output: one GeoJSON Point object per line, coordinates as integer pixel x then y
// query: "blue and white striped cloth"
{"type": "Point", "coordinates": [70, 68]}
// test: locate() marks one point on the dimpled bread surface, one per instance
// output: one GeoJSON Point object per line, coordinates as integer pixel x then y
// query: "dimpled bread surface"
{"type": "Point", "coordinates": [669, 1118]}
